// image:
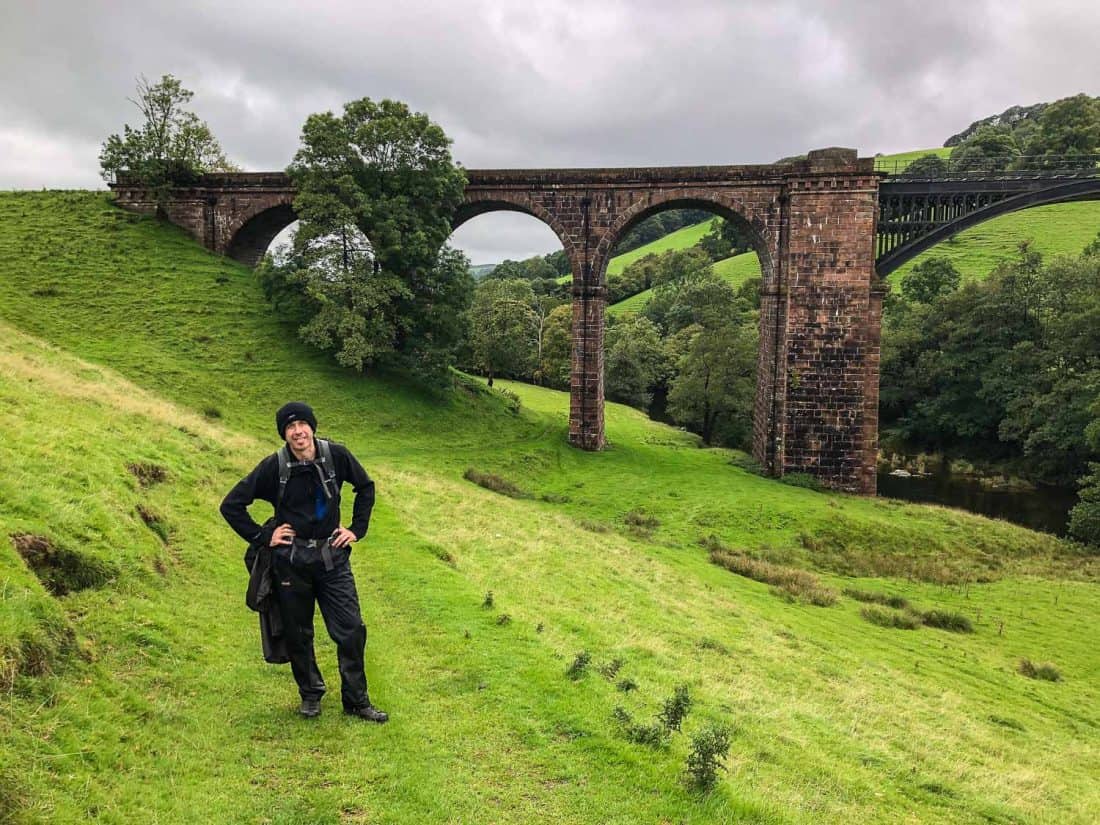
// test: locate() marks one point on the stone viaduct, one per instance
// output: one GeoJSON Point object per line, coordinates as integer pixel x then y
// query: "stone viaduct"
{"type": "Point", "coordinates": [812, 223]}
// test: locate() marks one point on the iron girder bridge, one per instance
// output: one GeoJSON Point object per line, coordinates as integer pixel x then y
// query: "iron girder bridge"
{"type": "Point", "coordinates": [919, 208]}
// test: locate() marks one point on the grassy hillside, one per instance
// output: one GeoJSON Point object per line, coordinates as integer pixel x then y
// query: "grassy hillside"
{"type": "Point", "coordinates": [680, 239]}
{"type": "Point", "coordinates": [142, 696]}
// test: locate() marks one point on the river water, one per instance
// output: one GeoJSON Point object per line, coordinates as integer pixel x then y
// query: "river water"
{"type": "Point", "coordinates": [1044, 508]}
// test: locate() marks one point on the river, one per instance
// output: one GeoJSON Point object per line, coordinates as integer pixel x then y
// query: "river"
{"type": "Point", "coordinates": [1044, 508]}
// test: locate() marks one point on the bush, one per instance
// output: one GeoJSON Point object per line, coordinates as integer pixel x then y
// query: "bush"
{"type": "Point", "coordinates": [1084, 518]}
{"type": "Point", "coordinates": [709, 748]}
{"type": "Point", "coordinates": [580, 665]}
{"type": "Point", "coordinates": [626, 685]}
{"type": "Point", "coordinates": [947, 620]}
{"type": "Point", "coordinates": [653, 735]}
{"type": "Point", "coordinates": [1046, 671]}
{"type": "Point", "coordinates": [675, 708]}
{"type": "Point", "coordinates": [804, 480]}
{"type": "Point", "coordinates": [611, 669]}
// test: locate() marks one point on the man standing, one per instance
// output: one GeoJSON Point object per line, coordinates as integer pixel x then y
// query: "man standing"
{"type": "Point", "coordinates": [311, 550]}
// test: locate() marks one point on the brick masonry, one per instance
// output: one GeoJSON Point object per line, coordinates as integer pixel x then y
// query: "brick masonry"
{"type": "Point", "coordinates": [812, 223]}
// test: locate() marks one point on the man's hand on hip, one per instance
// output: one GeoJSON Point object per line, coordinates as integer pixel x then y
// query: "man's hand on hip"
{"type": "Point", "coordinates": [284, 534]}
{"type": "Point", "coordinates": [342, 537]}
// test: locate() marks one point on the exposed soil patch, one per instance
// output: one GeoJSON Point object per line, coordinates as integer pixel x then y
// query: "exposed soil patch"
{"type": "Point", "coordinates": [147, 474]}
{"type": "Point", "coordinates": [60, 569]}
{"type": "Point", "coordinates": [155, 522]}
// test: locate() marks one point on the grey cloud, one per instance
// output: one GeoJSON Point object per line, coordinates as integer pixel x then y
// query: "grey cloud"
{"type": "Point", "coordinates": [555, 83]}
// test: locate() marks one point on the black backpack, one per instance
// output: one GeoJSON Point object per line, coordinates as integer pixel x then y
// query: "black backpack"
{"type": "Point", "coordinates": [326, 470]}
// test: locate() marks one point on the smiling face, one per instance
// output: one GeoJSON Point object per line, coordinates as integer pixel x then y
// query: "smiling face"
{"type": "Point", "coordinates": [299, 435]}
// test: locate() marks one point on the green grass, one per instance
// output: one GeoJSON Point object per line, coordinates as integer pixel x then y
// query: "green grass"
{"type": "Point", "coordinates": [154, 705]}
{"type": "Point", "coordinates": [899, 160]}
{"type": "Point", "coordinates": [1063, 228]}
{"type": "Point", "coordinates": [734, 271]}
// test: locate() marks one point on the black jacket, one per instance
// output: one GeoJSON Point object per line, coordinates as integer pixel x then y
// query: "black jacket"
{"type": "Point", "coordinates": [261, 598]}
{"type": "Point", "coordinates": [303, 506]}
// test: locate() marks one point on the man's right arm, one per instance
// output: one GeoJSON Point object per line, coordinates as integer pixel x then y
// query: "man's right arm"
{"type": "Point", "coordinates": [262, 482]}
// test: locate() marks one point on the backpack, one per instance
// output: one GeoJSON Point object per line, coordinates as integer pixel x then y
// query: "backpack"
{"type": "Point", "coordinates": [326, 469]}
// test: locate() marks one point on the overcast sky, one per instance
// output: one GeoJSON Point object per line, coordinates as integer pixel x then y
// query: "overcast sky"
{"type": "Point", "coordinates": [533, 84]}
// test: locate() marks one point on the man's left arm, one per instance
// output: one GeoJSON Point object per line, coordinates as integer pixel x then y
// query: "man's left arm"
{"type": "Point", "coordinates": [357, 477]}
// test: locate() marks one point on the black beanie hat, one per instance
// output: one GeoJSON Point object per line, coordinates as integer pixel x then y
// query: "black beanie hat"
{"type": "Point", "coordinates": [294, 411]}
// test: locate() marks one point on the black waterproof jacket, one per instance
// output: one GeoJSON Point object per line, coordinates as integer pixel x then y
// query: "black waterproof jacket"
{"type": "Point", "coordinates": [261, 597]}
{"type": "Point", "coordinates": [303, 505]}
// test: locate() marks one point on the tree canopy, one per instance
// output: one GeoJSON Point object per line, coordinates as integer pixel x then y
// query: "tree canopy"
{"type": "Point", "coordinates": [376, 191]}
{"type": "Point", "coordinates": [171, 146]}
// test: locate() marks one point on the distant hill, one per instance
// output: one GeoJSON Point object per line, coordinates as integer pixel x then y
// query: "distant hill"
{"type": "Point", "coordinates": [1011, 117]}
{"type": "Point", "coordinates": [479, 271]}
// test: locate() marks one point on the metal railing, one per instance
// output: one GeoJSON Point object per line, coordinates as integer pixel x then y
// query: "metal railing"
{"type": "Point", "coordinates": [934, 167]}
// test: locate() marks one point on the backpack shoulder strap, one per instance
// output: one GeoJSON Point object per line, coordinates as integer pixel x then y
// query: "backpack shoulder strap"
{"type": "Point", "coordinates": [284, 472]}
{"type": "Point", "coordinates": [328, 466]}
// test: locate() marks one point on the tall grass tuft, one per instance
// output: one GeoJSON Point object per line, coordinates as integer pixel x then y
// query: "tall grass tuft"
{"type": "Point", "coordinates": [789, 581]}
{"type": "Point", "coordinates": [947, 620]}
{"type": "Point", "coordinates": [1046, 671]}
{"type": "Point", "coordinates": [870, 597]}
{"type": "Point", "coordinates": [884, 617]}
{"type": "Point", "coordinates": [491, 481]}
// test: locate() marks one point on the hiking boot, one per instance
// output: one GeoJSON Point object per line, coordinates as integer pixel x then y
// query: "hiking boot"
{"type": "Point", "coordinates": [310, 708]}
{"type": "Point", "coordinates": [368, 712]}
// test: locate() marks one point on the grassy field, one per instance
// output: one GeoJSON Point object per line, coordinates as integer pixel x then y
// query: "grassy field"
{"type": "Point", "coordinates": [142, 696]}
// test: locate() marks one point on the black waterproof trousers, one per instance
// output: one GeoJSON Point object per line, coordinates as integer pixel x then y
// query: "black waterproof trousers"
{"type": "Point", "coordinates": [301, 581]}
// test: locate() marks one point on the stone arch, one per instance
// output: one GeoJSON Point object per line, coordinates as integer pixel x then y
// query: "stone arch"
{"type": "Point", "coordinates": [250, 236]}
{"type": "Point", "coordinates": [478, 203]}
{"type": "Point", "coordinates": [743, 215]}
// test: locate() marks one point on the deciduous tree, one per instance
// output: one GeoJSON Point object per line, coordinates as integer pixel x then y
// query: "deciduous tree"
{"type": "Point", "coordinates": [171, 146]}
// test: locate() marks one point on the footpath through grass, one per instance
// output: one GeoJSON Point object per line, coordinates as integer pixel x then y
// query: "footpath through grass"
{"type": "Point", "coordinates": [143, 697]}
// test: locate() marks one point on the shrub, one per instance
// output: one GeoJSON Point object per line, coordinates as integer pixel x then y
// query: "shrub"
{"type": "Point", "coordinates": [1046, 671]}
{"type": "Point", "coordinates": [493, 482]}
{"type": "Point", "coordinates": [580, 665]}
{"type": "Point", "coordinates": [675, 708]}
{"type": "Point", "coordinates": [709, 749]}
{"type": "Point", "coordinates": [896, 602]}
{"type": "Point", "coordinates": [804, 480]}
{"type": "Point", "coordinates": [488, 602]}
{"type": "Point", "coordinates": [504, 619]}
{"type": "Point", "coordinates": [653, 735]}
{"type": "Point", "coordinates": [890, 618]}
{"type": "Point", "coordinates": [791, 582]}
{"type": "Point", "coordinates": [612, 668]}
{"type": "Point", "coordinates": [626, 684]}
{"type": "Point", "coordinates": [947, 620]}
{"type": "Point", "coordinates": [639, 523]}
{"type": "Point", "coordinates": [1084, 518]}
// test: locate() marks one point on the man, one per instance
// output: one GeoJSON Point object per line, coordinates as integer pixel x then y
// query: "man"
{"type": "Point", "coordinates": [311, 550]}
